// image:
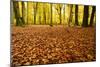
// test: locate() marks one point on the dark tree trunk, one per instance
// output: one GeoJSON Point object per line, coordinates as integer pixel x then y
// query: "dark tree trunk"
{"type": "Point", "coordinates": [92, 15]}
{"type": "Point", "coordinates": [76, 15]}
{"type": "Point", "coordinates": [85, 16]}
{"type": "Point", "coordinates": [16, 12]}
{"type": "Point", "coordinates": [70, 17]}
{"type": "Point", "coordinates": [23, 13]}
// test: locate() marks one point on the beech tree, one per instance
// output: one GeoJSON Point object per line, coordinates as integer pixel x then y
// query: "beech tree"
{"type": "Point", "coordinates": [35, 12]}
{"type": "Point", "coordinates": [76, 15]}
{"type": "Point", "coordinates": [92, 15]}
{"type": "Point", "coordinates": [51, 14]}
{"type": "Point", "coordinates": [58, 7]}
{"type": "Point", "coordinates": [85, 16]}
{"type": "Point", "coordinates": [70, 15]}
{"type": "Point", "coordinates": [23, 12]}
{"type": "Point", "coordinates": [16, 12]}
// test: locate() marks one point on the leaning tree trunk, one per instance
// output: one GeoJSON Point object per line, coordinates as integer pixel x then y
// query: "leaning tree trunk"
{"type": "Point", "coordinates": [16, 12]}
{"type": "Point", "coordinates": [76, 15]}
{"type": "Point", "coordinates": [92, 15]}
{"type": "Point", "coordinates": [85, 16]}
{"type": "Point", "coordinates": [70, 17]}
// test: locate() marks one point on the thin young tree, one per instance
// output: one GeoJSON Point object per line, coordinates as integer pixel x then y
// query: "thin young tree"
{"type": "Point", "coordinates": [64, 13]}
{"type": "Point", "coordinates": [85, 16]}
{"type": "Point", "coordinates": [27, 13]}
{"type": "Point", "coordinates": [92, 15]}
{"type": "Point", "coordinates": [70, 15]}
{"type": "Point", "coordinates": [58, 7]}
{"type": "Point", "coordinates": [35, 12]}
{"type": "Point", "coordinates": [51, 14]}
{"type": "Point", "coordinates": [23, 12]}
{"type": "Point", "coordinates": [76, 15]}
{"type": "Point", "coordinates": [44, 13]}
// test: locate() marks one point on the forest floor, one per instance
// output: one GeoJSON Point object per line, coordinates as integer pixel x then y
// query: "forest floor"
{"type": "Point", "coordinates": [33, 45]}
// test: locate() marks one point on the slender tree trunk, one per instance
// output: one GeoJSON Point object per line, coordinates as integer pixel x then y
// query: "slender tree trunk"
{"type": "Point", "coordinates": [92, 15]}
{"type": "Point", "coordinates": [16, 12]}
{"type": "Point", "coordinates": [64, 13]}
{"type": "Point", "coordinates": [27, 12]}
{"type": "Point", "coordinates": [85, 16]}
{"type": "Point", "coordinates": [35, 11]}
{"type": "Point", "coordinates": [44, 14]}
{"type": "Point", "coordinates": [51, 14]}
{"type": "Point", "coordinates": [40, 19]}
{"type": "Point", "coordinates": [70, 17]}
{"type": "Point", "coordinates": [23, 12]}
{"type": "Point", "coordinates": [76, 15]}
{"type": "Point", "coordinates": [60, 16]}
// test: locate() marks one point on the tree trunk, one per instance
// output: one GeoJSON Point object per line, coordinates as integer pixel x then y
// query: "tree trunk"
{"type": "Point", "coordinates": [76, 15]}
{"type": "Point", "coordinates": [51, 14]}
{"type": "Point", "coordinates": [40, 19]}
{"type": "Point", "coordinates": [70, 17]}
{"type": "Point", "coordinates": [35, 11]}
{"type": "Point", "coordinates": [60, 16]}
{"type": "Point", "coordinates": [16, 11]}
{"type": "Point", "coordinates": [23, 13]}
{"type": "Point", "coordinates": [44, 14]}
{"type": "Point", "coordinates": [85, 16]}
{"type": "Point", "coordinates": [64, 13]}
{"type": "Point", "coordinates": [27, 12]}
{"type": "Point", "coordinates": [92, 15]}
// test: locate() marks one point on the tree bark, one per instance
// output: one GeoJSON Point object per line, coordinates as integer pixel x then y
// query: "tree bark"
{"type": "Point", "coordinates": [76, 15]}
{"type": "Point", "coordinates": [92, 15]}
{"type": "Point", "coordinates": [60, 16]}
{"type": "Point", "coordinates": [85, 16]}
{"type": "Point", "coordinates": [35, 11]}
{"type": "Point", "coordinates": [70, 17]}
{"type": "Point", "coordinates": [64, 13]}
{"type": "Point", "coordinates": [23, 12]}
{"type": "Point", "coordinates": [51, 14]}
{"type": "Point", "coordinates": [16, 12]}
{"type": "Point", "coordinates": [44, 14]}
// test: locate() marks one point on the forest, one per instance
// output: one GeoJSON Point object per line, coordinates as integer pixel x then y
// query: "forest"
{"type": "Point", "coordinates": [50, 33]}
{"type": "Point", "coordinates": [37, 13]}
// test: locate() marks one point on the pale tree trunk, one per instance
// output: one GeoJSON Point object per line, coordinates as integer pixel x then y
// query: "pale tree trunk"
{"type": "Point", "coordinates": [64, 14]}
{"type": "Point", "coordinates": [35, 11]}
{"type": "Point", "coordinates": [44, 13]}
{"type": "Point", "coordinates": [51, 14]}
